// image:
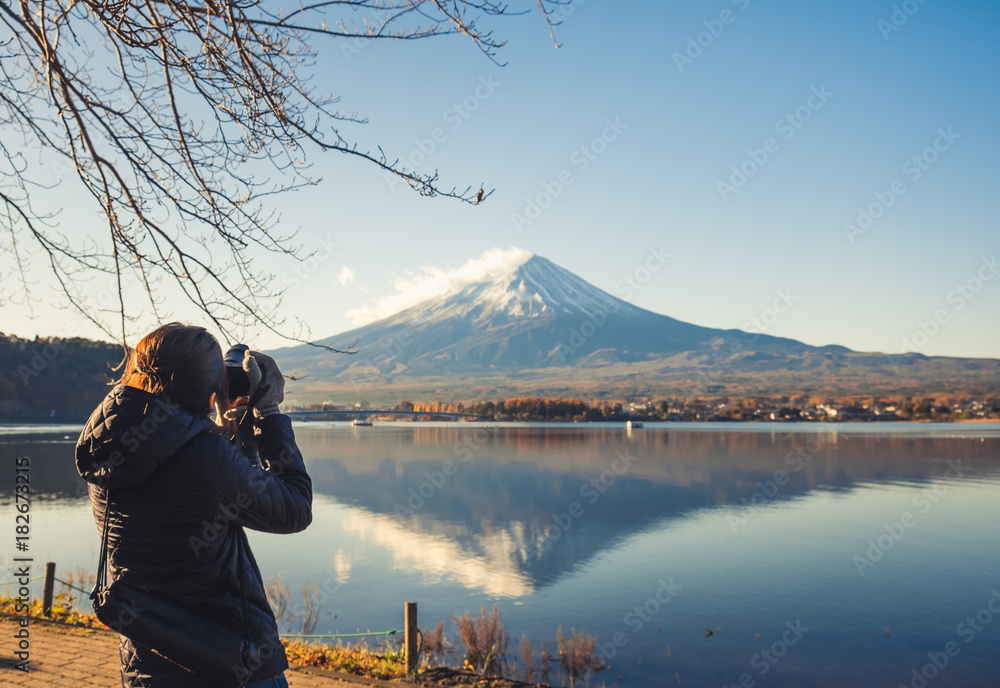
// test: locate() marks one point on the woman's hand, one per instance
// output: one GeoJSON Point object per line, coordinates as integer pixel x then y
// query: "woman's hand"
{"type": "Point", "coordinates": [267, 384]}
{"type": "Point", "coordinates": [237, 409]}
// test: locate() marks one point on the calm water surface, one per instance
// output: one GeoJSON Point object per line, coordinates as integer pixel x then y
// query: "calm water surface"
{"type": "Point", "coordinates": [852, 552]}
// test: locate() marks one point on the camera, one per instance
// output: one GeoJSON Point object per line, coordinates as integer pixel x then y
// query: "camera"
{"type": "Point", "coordinates": [239, 383]}
{"type": "Point", "coordinates": [239, 386]}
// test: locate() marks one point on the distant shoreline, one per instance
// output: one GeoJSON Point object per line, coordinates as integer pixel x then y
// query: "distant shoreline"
{"type": "Point", "coordinates": [922, 421]}
{"type": "Point", "coordinates": [30, 424]}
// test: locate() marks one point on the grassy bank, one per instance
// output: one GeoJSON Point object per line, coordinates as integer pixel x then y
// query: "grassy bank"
{"type": "Point", "coordinates": [482, 651]}
{"type": "Point", "coordinates": [360, 659]}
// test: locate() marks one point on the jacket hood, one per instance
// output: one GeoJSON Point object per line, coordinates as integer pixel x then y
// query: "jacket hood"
{"type": "Point", "coordinates": [130, 435]}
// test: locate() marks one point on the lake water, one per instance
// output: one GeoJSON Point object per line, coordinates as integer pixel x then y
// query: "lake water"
{"type": "Point", "coordinates": [859, 554]}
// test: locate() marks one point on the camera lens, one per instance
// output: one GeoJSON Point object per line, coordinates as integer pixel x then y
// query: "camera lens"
{"type": "Point", "coordinates": [239, 383]}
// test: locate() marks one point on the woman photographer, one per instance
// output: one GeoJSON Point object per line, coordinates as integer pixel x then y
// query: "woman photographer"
{"type": "Point", "coordinates": [181, 494]}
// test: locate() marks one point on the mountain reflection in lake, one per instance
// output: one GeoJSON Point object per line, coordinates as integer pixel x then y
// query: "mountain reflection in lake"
{"type": "Point", "coordinates": [797, 534]}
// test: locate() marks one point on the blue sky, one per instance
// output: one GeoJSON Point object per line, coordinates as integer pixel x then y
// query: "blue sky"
{"type": "Point", "coordinates": [837, 102]}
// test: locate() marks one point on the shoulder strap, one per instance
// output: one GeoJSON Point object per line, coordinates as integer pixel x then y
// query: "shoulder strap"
{"type": "Point", "coordinates": [249, 649]}
{"type": "Point", "coordinates": [102, 566]}
{"type": "Point", "coordinates": [243, 589]}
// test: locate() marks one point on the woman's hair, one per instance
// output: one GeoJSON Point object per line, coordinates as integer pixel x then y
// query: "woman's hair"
{"type": "Point", "coordinates": [181, 363]}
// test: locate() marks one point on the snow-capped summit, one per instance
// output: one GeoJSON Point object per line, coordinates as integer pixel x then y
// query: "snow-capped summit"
{"type": "Point", "coordinates": [536, 287]}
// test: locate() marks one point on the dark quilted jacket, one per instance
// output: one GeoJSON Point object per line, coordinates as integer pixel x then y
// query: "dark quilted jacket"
{"type": "Point", "coordinates": [181, 495]}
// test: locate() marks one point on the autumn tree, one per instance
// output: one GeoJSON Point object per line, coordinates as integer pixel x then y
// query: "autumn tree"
{"type": "Point", "coordinates": [177, 116]}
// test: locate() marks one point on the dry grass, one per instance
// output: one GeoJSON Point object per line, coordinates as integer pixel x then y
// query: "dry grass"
{"type": "Point", "coordinates": [527, 652]}
{"type": "Point", "coordinates": [485, 641]}
{"type": "Point", "coordinates": [280, 599]}
{"type": "Point", "coordinates": [433, 644]}
{"type": "Point", "coordinates": [76, 577]}
{"type": "Point", "coordinates": [545, 662]}
{"type": "Point", "coordinates": [63, 609]}
{"type": "Point", "coordinates": [356, 659]}
{"type": "Point", "coordinates": [311, 600]}
{"type": "Point", "coordinates": [577, 660]}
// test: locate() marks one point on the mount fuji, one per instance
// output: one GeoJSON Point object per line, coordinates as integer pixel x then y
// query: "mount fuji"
{"type": "Point", "coordinates": [538, 328]}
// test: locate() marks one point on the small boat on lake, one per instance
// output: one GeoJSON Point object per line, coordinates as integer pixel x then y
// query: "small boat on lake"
{"type": "Point", "coordinates": [361, 422]}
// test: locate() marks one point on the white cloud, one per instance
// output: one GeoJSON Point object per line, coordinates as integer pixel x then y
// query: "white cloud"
{"type": "Point", "coordinates": [342, 565]}
{"type": "Point", "coordinates": [488, 567]}
{"type": "Point", "coordinates": [429, 282]}
{"type": "Point", "coordinates": [346, 276]}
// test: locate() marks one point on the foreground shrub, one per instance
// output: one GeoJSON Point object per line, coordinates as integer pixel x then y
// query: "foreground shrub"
{"type": "Point", "coordinates": [485, 641]}
{"type": "Point", "coordinates": [577, 660]}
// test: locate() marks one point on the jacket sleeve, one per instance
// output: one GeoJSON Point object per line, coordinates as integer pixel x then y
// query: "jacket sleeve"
{"type": "Point", "coordinates": [275, 500]}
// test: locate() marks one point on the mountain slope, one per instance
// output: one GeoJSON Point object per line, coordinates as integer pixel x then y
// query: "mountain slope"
{"type": "Point", "coordinates": [537, 315]}
{"type": "Point", "coordinates": [540, 328]}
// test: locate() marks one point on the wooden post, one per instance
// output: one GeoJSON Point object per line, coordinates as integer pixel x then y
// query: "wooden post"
{"type": "Point", "coordinates": [412, 649]}
{"type": "Point", "coordinates": [50, 580]}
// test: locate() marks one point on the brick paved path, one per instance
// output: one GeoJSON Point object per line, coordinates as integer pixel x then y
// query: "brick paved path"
{"type": "Point", "coordinates": [87, 658]}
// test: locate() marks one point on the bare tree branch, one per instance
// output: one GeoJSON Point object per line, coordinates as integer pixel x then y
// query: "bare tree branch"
{"type": "Point", "coordinates": [167, 111]}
